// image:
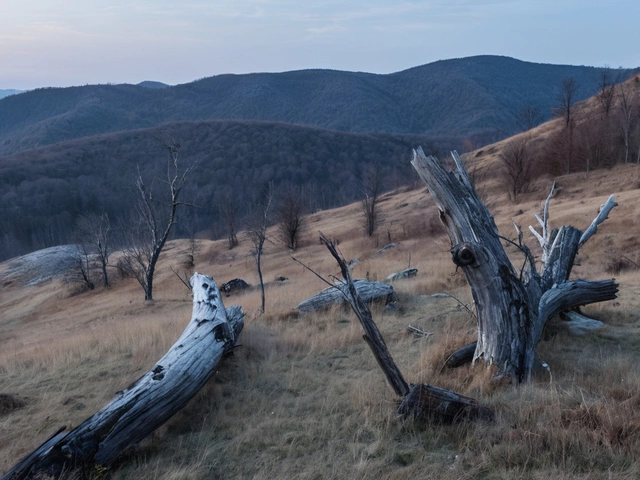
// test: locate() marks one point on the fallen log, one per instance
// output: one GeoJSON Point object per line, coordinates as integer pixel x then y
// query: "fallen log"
{"type": "Point", "coordinates": [408, 273]}
{"type": "Point", "coordinates": [385, 248]}
{"type": "Point", "coordinates": [151, 400]}
{"type": "Point", "coordinates": [426, 402]}
{"type": "Point", "coordinates": [367, 290]}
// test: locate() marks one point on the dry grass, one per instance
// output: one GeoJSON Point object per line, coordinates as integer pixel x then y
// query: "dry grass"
{"type": "Point", "coordinates": [303, 397]}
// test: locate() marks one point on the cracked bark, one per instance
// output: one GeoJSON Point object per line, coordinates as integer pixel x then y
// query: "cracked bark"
{"type": "Point", "coordinates": [512, 307]}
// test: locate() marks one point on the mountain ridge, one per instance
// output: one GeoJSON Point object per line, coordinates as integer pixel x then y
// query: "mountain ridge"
{"type": "Point", "coordinates": [475, 97]}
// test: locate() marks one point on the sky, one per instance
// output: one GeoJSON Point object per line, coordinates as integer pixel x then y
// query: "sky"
{"type": "Point", "coordinates": [75, 42]}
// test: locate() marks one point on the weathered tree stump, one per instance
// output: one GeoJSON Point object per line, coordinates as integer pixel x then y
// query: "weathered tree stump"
{"type": "Point", "coordinates": [151, 400]}
{"type": "Point", "coordinates": [512, 306]}
{"type": "Point", "coordinates": [367, 290]}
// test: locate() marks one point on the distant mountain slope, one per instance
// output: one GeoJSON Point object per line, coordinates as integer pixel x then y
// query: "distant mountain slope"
{"type": "Point", "coordinates": [152, 84]}
{"type": "Point", "coordinates": [7, 92]}
{"type": "Point", "coordinates": [43, 190]}
{"type": "Point", "coordinates": [467, 97]}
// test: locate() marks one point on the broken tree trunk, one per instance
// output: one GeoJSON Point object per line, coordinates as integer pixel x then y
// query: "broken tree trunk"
{"type": "Point", "coordinates": [512, 307]}
{"type": "Point", "coordinates": [418, 401]}
{"type": "Point", "coordinates": [151, 400]}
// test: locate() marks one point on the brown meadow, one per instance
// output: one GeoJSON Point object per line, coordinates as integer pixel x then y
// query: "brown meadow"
{"type": "Point", "coordinates": [303, 397]}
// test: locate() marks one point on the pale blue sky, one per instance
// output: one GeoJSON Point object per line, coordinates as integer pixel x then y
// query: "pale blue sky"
{"type": "Point", "coordinates": [74, 42]}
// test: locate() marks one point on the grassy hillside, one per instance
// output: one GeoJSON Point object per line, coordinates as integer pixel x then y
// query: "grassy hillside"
{"type": "Point", "coordinates": [44, 190]}
{"type": "Point", "coordinates": [477, 98]}
{"type": "Point", "coordinates": [303, 397]}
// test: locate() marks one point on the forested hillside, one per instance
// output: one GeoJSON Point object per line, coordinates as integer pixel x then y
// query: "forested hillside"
{"type": "Point", "coordinates": [475, 98]}
{"type": "Point", "coordinates": [44, 190]}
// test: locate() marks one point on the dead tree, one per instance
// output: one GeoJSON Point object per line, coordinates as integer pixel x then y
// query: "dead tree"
{"type": "Point", "coordinates": [566, 100]}
{"type": "Point", "coordinates": [517, 162]}
{"type": "Point", "coordinates": [94, 230]}
{"type": "Point", "coordinates": [420, 401]}
{"type": "Point", "coordinates": [229, 214]}
{"type": "Point", "coordinates": [82, 271]}
{"type": "Point", "coordinates": [148, 402]}
{"type": "Point", "coordinates": [606, 92]}
{"type": "Point", "coordinates": [372, 185]}
{"type": "Point", "coordinates": [257, 232]}
{"type": "Point", "coordinates": [512, 305]}
{"type": "Point", "coordinates": [291, 223]}
{"type": "Point", "coordinates": [154, 218]}
{"type": "Point", "coordinates": [529, 116]}
{"type": "Point", "coordinates": [627, 107]}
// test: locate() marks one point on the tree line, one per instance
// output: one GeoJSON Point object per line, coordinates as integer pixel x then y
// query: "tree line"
{"type": "Point", "coordinates": [599, 133]}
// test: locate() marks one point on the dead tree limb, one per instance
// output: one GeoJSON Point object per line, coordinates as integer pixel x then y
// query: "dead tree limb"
{"type": "Point", "coordinates": [512, 309]}
{"type": "Point", "coordinates": [419, 401]}
{"type": "Point", "coordinates": [372, 336]}
{"type": "Point", "coordinates": [461, 356]}
{"type": "Point", "coordinates": [151, 400]}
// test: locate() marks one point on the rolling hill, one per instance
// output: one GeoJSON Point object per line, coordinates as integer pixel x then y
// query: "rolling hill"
{"type": "Point", "coordinates": [303, 397]}
{"type": "Point", "coordinates": [43, 190]}
{"type": "Point", "coordinates": [476, 97]}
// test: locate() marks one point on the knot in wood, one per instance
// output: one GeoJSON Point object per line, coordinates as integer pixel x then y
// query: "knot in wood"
{"type": "Point", "coordinates": [463, 254]}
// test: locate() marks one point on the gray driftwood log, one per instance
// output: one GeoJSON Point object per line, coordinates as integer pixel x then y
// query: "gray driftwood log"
{"type": "Point", "coordinates": [419, 401]}
{"type": "Point", "coordinates": [367, 290]}
{"type": "Point", "coordinates": [151, 400]}
{"type": "Point", "coordinates": [408, 273]}
{"type": "Point", "coordinates": [513, 305]}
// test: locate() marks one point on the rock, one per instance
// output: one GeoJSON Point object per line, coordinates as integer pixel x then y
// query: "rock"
{"type": "Point", "coordinates": [234, 285]}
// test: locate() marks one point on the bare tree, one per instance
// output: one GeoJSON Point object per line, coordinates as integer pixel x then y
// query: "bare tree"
{"type": "Point", "coordinates": [627, 106]}
{"type": "Point", "coordinates": [229, 213]}
{"type": "Point", "coordinates": [517, 161]}
{"type": "Point", "coordinates": [94, 230]}
{"type": "Point", "coordinates": [257, 232]}
{"type": "Point", "coordinates": [566, 100]}
{"type": "Point", "coordinates": [289, 216]}
{"type": "Point", "coordinates": [154, 218]}
{"type": "Point", "coordinates": [606, 91]}
{"type": "Point", "coordinates": [372, 184]}
{"type": "Point", "coordinates": [529, 116]}
{"type": "Point", "coordinates": [83, 268]}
